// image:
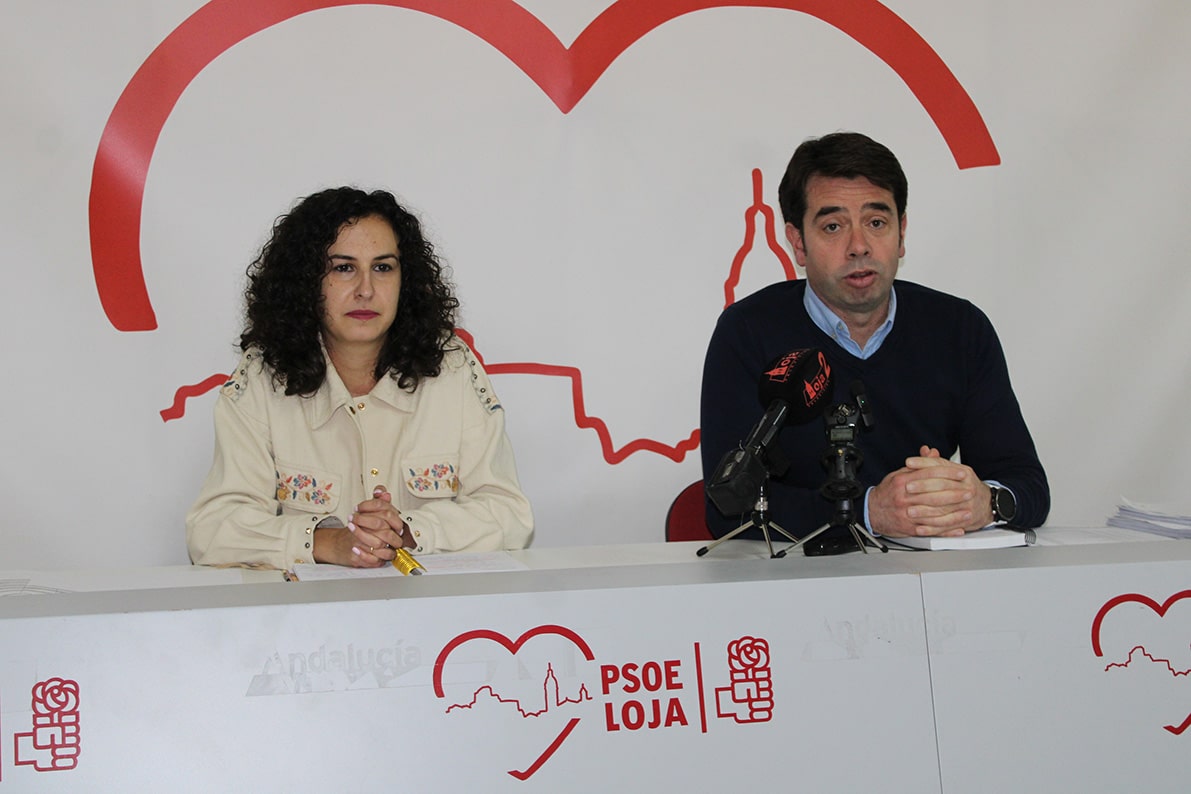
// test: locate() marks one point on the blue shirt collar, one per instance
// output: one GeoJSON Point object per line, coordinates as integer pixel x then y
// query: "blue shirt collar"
{"type": "Point", "coordinates": [830, 324]}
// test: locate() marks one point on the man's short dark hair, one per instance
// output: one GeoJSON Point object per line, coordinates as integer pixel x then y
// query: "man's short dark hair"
{"type": "Point", "coordinates": [839, 154]}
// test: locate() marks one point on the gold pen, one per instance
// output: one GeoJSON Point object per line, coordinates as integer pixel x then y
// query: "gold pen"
{"type": "Point", "coordinates": [407, 563]}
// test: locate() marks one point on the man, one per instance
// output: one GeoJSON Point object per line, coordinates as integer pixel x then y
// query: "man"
{"type": "Point", "coordinates": [931, 365]}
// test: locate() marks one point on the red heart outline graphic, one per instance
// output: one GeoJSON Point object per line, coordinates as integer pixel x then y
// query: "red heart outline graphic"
{"type": "Point", "coordinates": [1161, 610]}
{"type": "Point", "coordinates": [564, 74]}
{"type": "Point", "coordinates": [512, 646]}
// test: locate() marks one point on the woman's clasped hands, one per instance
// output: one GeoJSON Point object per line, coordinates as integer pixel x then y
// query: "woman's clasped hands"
{"type": "Point", "coordinates": [371, 537]}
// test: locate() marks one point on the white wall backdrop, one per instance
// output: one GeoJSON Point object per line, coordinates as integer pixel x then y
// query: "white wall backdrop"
{"type": "Point", "coordinates": [596, 241]}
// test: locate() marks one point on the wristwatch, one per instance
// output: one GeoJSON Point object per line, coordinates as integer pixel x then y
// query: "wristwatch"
{"type": "Point", "coordinates": [1004, 505]}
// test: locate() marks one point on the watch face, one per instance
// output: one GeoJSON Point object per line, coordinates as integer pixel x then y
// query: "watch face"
{"type": "Point", "coordinates": [1005, 506]}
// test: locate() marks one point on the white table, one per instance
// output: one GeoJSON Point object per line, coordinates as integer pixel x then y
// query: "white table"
{"type": "Point", "coordinates": [610, 668]}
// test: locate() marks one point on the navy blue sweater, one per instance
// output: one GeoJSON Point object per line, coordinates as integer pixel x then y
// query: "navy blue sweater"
{"type": "Point", "coordinates": [939, 379]}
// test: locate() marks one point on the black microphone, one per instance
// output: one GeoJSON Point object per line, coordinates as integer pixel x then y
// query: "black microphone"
{"type": "Point", "coordinates": [796, 388]}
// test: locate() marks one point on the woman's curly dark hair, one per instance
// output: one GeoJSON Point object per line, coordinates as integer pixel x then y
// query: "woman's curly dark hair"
{"type": "Point", "coordinates": [284, 299]}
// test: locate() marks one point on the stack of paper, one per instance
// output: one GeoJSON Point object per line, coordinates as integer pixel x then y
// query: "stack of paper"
{"type": "Point", "coordinates": [1167, 520]}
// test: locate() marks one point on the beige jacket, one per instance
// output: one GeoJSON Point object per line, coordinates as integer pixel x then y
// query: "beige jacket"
{"type": "Point", "coordinates": [285, 463]}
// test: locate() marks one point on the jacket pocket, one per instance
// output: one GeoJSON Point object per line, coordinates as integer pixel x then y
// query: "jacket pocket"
{"type": "Point", "coordinates": [431, 476]}
{"type": "Point", "coordinates": [307, 489]}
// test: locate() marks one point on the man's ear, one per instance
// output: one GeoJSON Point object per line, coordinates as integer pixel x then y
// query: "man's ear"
{"type": "Point", "coordinates": [796, 243]}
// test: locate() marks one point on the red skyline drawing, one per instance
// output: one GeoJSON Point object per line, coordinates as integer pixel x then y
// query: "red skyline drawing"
{"type": "Point", "coordinates": [1177, 730]}
{"type": "Point", "coordinates": [1141, 649]}
{"type": "Point", "coordinates": [550, 682]}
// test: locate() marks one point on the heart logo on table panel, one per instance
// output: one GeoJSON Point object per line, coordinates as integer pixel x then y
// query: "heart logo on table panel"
{"type": "Point", "coordinates": [565, 75]}
{"type": "Point", "coordinates": [1140, 650]}
{"type": "Point", "coordinates": [513, 646]}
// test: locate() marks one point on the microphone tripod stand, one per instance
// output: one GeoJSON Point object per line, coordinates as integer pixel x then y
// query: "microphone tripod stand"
{"type": "Point", "coordinates": [760, 519]}
{"type": "Point", "coordinates": [841, 461]}
{"type": "Point", "coordinates": [843, 517]}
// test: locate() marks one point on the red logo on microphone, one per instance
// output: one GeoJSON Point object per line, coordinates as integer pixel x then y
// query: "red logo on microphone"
{"type": "Point", "coordinates": [815, 389]}
{"type": "Point", "coordinates": [785, 366]}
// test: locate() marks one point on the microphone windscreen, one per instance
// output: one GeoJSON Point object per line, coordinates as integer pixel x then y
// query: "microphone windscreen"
{"type": "Point", "coordinates": [802, 378]}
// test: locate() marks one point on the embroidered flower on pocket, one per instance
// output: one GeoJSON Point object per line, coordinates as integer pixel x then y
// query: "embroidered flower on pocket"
{"type": "Point", "coordinates": [439, 477]}
{"type": "Point", "coordinates": [302, 488]}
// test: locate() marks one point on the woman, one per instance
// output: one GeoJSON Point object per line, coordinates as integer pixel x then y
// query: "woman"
{"type": "Point", "coordinates": [356, 422]}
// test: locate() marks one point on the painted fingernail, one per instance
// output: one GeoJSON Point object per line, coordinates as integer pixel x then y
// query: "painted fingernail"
{"type": "Point", "coordinates": [351, 527]}
{"type": "Point", "coordinates": [355, 551]}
